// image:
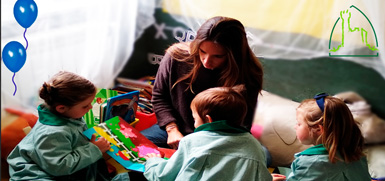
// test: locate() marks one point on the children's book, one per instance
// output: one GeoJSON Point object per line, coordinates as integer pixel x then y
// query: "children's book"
{"type": "Point", "coordinates": [95, 115]}
{"type": "Point", "coordinates": [128, 145]}
{"type": "Point", "coordinates": [123, 105]}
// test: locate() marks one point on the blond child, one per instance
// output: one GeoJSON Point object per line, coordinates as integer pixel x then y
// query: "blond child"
{"type": "Point", "coordinates": [219, 149]}
{"type": "Point", "coordinates": [56, 149]}
{"type": "Point", "coordinates": [327, 123]}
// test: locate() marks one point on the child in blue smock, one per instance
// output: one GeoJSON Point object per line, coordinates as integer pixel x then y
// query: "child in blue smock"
{"type": "Point", "coordinates": [219, 148]}
{"type": "Point", "coordinates": [327, 123]}
{"type": "Point", "coordinates": [56, 149]}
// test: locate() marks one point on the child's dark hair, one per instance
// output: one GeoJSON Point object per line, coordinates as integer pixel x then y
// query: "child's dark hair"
{"type": "Point", "coordinates": [66, 88]}
{"type": "Point", "coordinates": [341, 133]}
{"type": "Point", "coordinates": [222, 103]}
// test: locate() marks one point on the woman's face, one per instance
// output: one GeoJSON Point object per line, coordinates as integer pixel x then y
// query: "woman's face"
{"type": "Point", "coordinates": [212, 55]}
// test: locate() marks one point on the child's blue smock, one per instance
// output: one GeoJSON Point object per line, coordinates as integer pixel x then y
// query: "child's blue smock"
{"type": "Point", "coordinates": [313, 164]}
{"type": "Point", "coordinates": [215, 151]}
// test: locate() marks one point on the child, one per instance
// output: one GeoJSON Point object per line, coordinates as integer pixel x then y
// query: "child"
{"type": "Point", "coordinates": [327, 123]}
{"type": "Point", "coordinates": [56, 149]}
{"type": "Point", "coordinates": [219, 148]}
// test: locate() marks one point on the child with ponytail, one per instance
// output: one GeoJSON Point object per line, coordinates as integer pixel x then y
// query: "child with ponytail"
{"type": "Point", "coordinates": [327, 123]}
{"type": "Point", "coordinates": [56, 149]}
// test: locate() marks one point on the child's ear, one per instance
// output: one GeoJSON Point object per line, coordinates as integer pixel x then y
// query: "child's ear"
{"type": "Point", "coordinates": [61, 109]}
{"type": "Point", "coordinates": [319, 129]}
{"type": "Point", "coordinates": [208, 119]}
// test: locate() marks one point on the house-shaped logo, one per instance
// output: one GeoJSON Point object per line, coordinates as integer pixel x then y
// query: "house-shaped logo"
{"type": "Point", "coordinates": [353, 35]}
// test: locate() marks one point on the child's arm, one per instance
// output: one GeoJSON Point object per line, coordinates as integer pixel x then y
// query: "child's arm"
{"type": "Point", "coordinates": [160, 169]}
{"type": "Point", "coordinates": [57, 155]}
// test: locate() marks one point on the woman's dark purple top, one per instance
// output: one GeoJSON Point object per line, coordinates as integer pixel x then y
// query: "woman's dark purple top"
{"type": "Point", "coordinates": [173, 104]}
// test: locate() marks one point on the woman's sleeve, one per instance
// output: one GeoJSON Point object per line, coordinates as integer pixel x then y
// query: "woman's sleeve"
{"type": "Point", "coordinates": [161, 94]}
{"type": "Point", "coordinates": [57, 157]}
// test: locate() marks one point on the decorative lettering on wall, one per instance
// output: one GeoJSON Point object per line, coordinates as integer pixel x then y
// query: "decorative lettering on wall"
{"type": "Point", "coordinates": [154, 58]}
{"type": "Point", "coordinates": [179, 33]}
{"type": "Point", "coordinates": [186, 36]}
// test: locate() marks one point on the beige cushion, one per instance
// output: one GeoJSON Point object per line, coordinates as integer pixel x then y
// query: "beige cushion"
{"type": "Point", "coordinates": [277, 116]}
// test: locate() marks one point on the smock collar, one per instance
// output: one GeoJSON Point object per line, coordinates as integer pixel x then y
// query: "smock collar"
{"type": "Point", "coordinates": [220, 126]}
{"type": "Point", "coordinates": [315, 150]}
{"type": "Point", "coordinates": [48, 118]}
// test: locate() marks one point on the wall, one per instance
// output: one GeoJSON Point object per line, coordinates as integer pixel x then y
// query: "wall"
{"type": "Point", "coordinates": [296, 80]}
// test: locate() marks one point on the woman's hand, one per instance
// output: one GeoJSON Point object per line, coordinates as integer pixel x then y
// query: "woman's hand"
{"type": "Point", "coordinates": [101, 143]}
{"type": "Point", "coordinates": [278, 177]}
{"type": "Point", "coordinates": [174, 135]}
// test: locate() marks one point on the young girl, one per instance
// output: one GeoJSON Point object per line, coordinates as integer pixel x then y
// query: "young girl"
{"type": "Point", "coordinates": [327, 123]}
{"type": "Point", "coordinates": [56, 149]}
{"type": "Point", "coordinates": [219, 149]}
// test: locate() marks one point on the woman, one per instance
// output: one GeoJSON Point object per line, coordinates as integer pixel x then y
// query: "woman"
{"type": "Point", "coordinates": [218, 56]}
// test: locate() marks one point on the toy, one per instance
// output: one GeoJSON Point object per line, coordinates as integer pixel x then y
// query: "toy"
{"type": "Point", "coordinates": [277, 116]}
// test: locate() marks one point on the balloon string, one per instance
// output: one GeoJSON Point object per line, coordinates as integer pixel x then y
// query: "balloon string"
{"type": "Point", "coordinates": [14, 83]}
{"type": "Point", "coordinates": [26, 39]}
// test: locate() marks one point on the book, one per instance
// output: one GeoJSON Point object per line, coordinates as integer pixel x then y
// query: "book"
{"type": "Point", "coordinates": [95, 115]}
{"type": "Point", "coordinates": [103, 109]}
{"type": "Point", "coordinates": [145, 87]}
{"type": "Point", "coordinates": [123, 105]}
{"type": "Point", "coordinates": [128, 145]}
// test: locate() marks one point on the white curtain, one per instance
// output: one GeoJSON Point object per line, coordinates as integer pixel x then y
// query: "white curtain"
{"type": "Point", "coordinates": [93, 38]}
{"type": "Point", "coordinates": [296, 29]}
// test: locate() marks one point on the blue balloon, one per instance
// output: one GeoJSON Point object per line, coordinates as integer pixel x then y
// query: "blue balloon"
{"type": "Point", "coordinates": [25, 12]}
{"type": "Point", "coordinates": [14, 56]}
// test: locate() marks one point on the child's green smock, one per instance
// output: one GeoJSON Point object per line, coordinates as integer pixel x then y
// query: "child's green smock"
{"type": "Point", "coordinates": [313, 164]}
{"type": "Point", "coordinates": [215, 151]}
{"type": "Point", "coordinates": [54, 147]}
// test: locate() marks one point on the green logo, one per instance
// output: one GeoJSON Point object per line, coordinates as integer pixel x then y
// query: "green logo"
{"type": "Point", "coordinates": [350, 34]}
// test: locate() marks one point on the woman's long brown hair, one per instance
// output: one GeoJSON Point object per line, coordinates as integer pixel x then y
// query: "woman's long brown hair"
{"type": "Point", "coordinates": [243, 67]}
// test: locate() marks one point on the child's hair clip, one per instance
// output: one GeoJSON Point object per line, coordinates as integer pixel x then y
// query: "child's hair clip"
{"type": "Point", "coordinates": [320, 99]}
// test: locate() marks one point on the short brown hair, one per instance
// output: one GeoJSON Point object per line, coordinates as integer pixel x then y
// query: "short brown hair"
{"type": "Point", "coordinates": [66, 88]}
{"type": "Point", "coordinates": [222, 103]}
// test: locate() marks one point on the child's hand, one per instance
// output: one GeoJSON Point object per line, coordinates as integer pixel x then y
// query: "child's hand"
{"type": "Point", "coordinates": [101, 143]}
{"type": "Point", "coordinates": [278, 177]}
{"type": "Point", "coordinates": [151, 155]}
